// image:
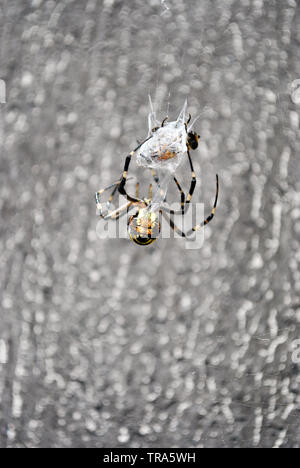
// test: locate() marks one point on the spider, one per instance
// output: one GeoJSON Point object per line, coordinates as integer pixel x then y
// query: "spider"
{"type": "Point", "coordinates": [145, 225]}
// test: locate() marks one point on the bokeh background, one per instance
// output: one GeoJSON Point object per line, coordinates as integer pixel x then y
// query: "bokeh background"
{"type": "Point", "coordinates": [107, 344]}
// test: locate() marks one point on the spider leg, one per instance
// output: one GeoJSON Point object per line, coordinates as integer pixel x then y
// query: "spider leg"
{"type": "Point", "coordinates": [117, 214]}
{"type": "Point", "coordinates": [212, 214]}
{"type": "Point", "coordinates": [109, 201]}
{"type": "Point", "coordinates": [125, 173]}
{"type": "Point", "coordinates": [184, 202]}
{"type": "Point", "coordinates": [172, 224]}
{"type": "Point", "coordinates": [193, 182]}
{"type": "Point", "coordinates": [199, 226]}
{"type": "Point", "coordinates": [182, 197]}
{"type": "Point", "coordinates": [156, 179]}
{"type": "Point", "coordinates": [164, 121]}
{"type": "Point", "coordinates": [101, 192]}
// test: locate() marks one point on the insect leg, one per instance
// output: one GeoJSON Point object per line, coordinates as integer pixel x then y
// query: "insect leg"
{"type": "Point", "coordinates": [187, 122]}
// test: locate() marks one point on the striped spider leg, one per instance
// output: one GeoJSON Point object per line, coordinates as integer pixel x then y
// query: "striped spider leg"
{"type": "Point", "coordinates": [189, 233]}
{"type": "Point", "coordinates": [184, 201]}
{"type": "Point", "coordinates": [107, 214]}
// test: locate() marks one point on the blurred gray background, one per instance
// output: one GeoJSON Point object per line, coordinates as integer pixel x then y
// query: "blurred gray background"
{"type": "Point", "coordinates": [107, 344]}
